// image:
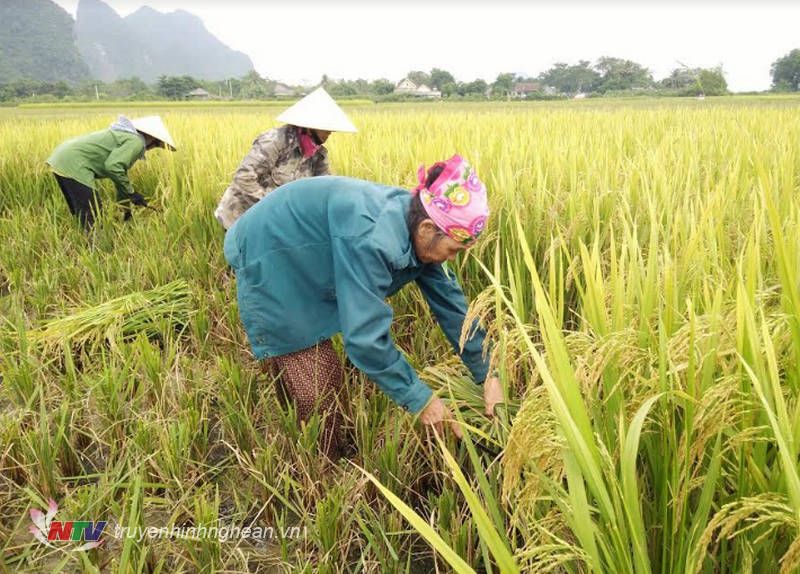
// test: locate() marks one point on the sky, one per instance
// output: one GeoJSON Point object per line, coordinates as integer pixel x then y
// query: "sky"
{"type": "Point", "coordinates": [298, 41]}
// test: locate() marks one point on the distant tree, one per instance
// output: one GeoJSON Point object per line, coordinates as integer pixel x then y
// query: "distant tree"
{"type": "Point", "coordinates": [254, 87]}
{"type": "Point", "coordinates": [568, 79]}
{"type": "Point", "coordinates": [680, 78]}
{"type": "Point", "coordinates": [419, 78]}
{"type": "Point", "coordinates": [176, 87]}
{"type": "Point", "coordinates": [696, 81]}
{"type": "Point", "coordinates": [59, 89]}
{"type": "Point", "coordinates": [475, 87]}
{"type": "Point", "coordinates": [619, 74]}
{"type": "Point", "coordinates": [86, 89]}
{"type": "Point", "coordinates": [440, 78]}
{"type": "Point", "coordinates": [449, 88]}
{"type": "Point", "coordinates": [342, 88]}
{"type": "Point", "coordinates": [230, 88]}
{"type": "Point", "coordinates": [126, 88]}
{"type": "Point", "coordinates": [19, 89]}
{"type": "Point", "coordinates": [24, 89]}
{"type": "Point", "coordinates": [712, 81]}
{"type": "Point", "coordinates": [503, 85]}
{"type": "Point", "coordinates": [382, 87]}
{"type": "Point", "coordinates": [786, 72]}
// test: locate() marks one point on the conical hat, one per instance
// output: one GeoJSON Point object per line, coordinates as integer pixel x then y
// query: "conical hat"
{"type": "Point", "coordinates": [153, 126]}
{"type": "Point", "coordinates": [318, 111]}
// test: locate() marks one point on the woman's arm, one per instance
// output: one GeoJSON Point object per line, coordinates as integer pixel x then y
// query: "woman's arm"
{"type": "Point", "coordinates": [119, 161]}
{"type": "Point", "coordinates": [362, 279]}
{"type": "Point", "coordinates": [261, 159]}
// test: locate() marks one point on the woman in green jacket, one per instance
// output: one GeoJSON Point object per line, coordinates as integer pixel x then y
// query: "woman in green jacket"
{"type": "Point", "coordinates": [319, 256]}
{"type": "Point", "coordinates": [108, 153]}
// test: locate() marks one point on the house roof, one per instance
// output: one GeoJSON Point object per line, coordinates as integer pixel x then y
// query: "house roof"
{"type": "Point", "coordinates": [283, 89]}
{"type": "Point", "coordinates": [526, 86]}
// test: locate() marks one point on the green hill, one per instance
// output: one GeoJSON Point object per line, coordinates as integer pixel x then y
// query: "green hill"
{"type": "Point", "coordinates": [37, 42]}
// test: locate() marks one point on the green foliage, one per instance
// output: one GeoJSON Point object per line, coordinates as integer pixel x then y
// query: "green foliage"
{"type": "Point", "coordinates": [620, 74]}
{"type": "Point", "coordinates": [696, 81]}
{"type": "Point", "coordinates": [176, 87]}
{"type": "Point", "coordinates": [786, 72]}
{"type": "Point", "coordinates": [253, 87]}
{"type": "Point", "coordinates": [712, 82]}
{"type": "Point", "coordinates": [503, 84]}
{"type": "Point", "coordinates": [680, 78]}
{"type": "Point", "coordinates": [607, 75]}
{"type": "Point", "coordinates": [419, 78]}
{"type": "Point", "coordinates": [440, 79]}
{"type": "Point", "coordinates": [383, 86]}
{"type": "Point", "coordinates": [475, 87]}
{"type": "Point", "coordinates": [568, 79]}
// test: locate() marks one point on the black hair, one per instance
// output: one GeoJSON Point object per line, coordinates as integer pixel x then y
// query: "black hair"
{"type": "Point", "coordinates": [152, 143]}
{"type": "Point", "coordinates": [314, 136]}
{"type": "Point", "coordinates": [417, 213]}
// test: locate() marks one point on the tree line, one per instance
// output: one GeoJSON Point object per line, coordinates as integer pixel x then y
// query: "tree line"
{"type": "Point", "coordinates": [607, 76]}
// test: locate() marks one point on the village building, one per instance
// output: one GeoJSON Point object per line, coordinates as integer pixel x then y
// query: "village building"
{"type": "Point", "coordinates": [521, 90]}
{"type": "Point", "coordinates": [282, 90]}
{"type": "Point", "coordinates": [198, 94]}
{"type": "Point", "coordinates": [407, 87]}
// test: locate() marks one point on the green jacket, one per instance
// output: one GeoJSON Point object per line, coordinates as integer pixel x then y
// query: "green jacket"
{"type": "Point", "coordinates": [104, 154]}
{"type": "Point", "coordinates": [318, 256]}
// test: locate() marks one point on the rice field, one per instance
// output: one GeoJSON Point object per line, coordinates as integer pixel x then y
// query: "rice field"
{"type": "Point", "coordinates": [640, 279]}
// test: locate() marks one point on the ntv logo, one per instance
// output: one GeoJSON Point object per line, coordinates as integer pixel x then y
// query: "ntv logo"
{"type": "Point", "coordinates": [47, 530]}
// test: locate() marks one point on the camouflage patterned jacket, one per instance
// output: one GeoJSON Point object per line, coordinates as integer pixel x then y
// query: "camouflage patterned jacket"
{"type": "Point", "coordinates": [274, 159]}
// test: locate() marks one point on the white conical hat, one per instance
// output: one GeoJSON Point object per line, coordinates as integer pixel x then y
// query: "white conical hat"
{"type": "Point", "coordinates": [318, 111]}
{"type": "Point", "coordinates": [153, 126]}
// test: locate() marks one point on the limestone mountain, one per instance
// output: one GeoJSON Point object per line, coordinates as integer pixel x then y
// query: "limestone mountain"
{"type": "Point", "coordinates": [149, 44]}
{"type": "Point", "coordinates": [37, 42]}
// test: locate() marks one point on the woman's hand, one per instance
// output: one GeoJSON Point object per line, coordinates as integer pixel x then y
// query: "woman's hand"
{"type": "Point", "coordinates": [436, 413]}
{"type": "Point", "coordinates": [492, 394]}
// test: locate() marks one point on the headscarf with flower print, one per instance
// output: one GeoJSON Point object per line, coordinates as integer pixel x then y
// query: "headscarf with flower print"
{"type": "Point", "coordinates": [456, 201]}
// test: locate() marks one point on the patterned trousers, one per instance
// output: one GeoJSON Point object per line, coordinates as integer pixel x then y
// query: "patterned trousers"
{"type": "Point", "coordinates": [312, 378]}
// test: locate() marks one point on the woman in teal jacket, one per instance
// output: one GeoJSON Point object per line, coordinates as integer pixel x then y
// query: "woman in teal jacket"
{"type": "Point", "coordinates": [320, 255]}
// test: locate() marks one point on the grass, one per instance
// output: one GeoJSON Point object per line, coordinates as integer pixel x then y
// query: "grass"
{"type": "Point", "coordinates": [639, 281]}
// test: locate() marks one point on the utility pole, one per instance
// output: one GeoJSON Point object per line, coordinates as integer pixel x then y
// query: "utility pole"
{"type": "Point", "coordinates": [96, 93]}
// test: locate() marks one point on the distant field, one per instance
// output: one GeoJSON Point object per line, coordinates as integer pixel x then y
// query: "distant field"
{"type": "Point", "coordinates": [639, 279]}
{"type": "Point", "coordinates": [182, 104]}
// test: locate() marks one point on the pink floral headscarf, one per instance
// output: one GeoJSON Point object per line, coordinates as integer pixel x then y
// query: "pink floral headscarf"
{"type": "Point", "coordinates": [456, 201]}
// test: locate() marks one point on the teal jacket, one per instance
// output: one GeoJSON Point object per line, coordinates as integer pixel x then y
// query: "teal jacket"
{"type": "Point", "coordinates": [318, 256]}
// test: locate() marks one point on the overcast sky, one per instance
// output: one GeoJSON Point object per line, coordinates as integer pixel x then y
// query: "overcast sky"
{"type": "Point", "coordinates": [298, 41]}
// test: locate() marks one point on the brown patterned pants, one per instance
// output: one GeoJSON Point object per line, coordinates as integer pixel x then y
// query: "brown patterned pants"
{"type": "Point", "coordinates": [311, 378]}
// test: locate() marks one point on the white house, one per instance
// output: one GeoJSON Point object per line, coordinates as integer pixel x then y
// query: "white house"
{"type": "Point", "coordinates": [523, 89]}
{"type": "Point", "coordinates": [406, 86]}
